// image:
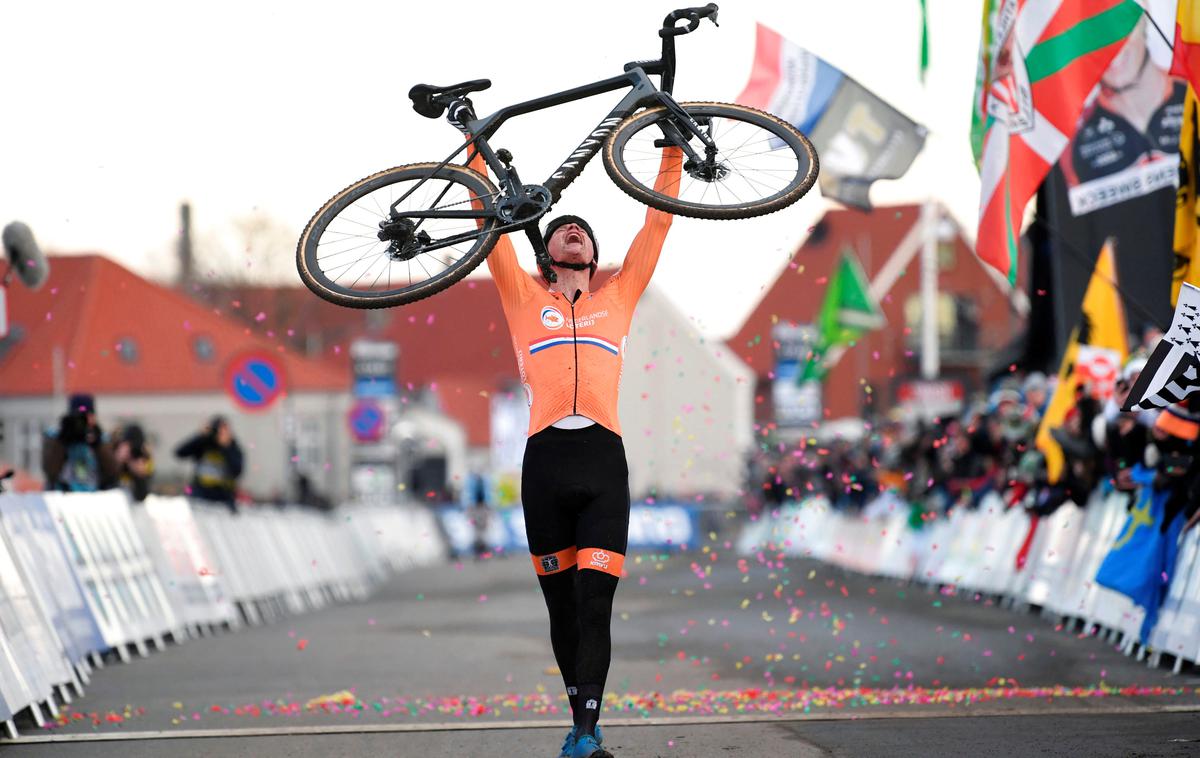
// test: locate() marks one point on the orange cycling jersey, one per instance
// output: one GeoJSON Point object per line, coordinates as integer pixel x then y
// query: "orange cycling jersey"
{"type": "Point", "coordinates": [570, 353]}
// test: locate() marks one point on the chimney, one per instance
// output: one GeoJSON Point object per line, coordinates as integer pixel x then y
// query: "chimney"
{"type": "Point", "coordinates": [186, 265]}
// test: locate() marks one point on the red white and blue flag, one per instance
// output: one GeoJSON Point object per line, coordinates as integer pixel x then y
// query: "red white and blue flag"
{"type": "Point", "coordinates": [859, 137]}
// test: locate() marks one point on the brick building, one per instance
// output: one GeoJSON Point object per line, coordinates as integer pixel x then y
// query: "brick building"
{"type": "Point", "coordinates": [975, 316]}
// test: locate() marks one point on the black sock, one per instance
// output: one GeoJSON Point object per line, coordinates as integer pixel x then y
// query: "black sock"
{"type": "Point", "coordinates": [573, 696]}
{"type": "Point", "coordinates": [591, 697]}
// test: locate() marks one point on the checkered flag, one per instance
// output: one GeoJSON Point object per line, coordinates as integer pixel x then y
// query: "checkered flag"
{"type": "Point", "coordinates": [1173, 370]}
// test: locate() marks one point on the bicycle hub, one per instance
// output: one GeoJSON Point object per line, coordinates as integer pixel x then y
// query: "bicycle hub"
{"type": "Point", "coordinates": [707, 171]}
{"type": "Point", "coordinates": [406, 241]}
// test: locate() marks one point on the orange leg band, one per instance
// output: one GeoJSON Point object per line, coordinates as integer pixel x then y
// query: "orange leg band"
{"type": "Point", "coordinates": [554, 562]}
{"type": "Point", "coordinates": [608, 561]}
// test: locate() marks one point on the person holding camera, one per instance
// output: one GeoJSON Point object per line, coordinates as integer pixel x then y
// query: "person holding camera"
{"type": "Point", "coordinates": [77, 457]}
{"type": "Point", "coordinates": [135, 464]}
{"type": "Point", "coordinates": [218, 460]}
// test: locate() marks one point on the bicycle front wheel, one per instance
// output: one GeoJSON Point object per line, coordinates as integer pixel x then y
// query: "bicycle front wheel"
{"type": "Point", "coordinates": [763, 164]}
{"type": "Point", "coordinates": [356, 253]}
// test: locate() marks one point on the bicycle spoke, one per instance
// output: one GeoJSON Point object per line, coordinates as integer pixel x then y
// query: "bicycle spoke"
{"type": "Point", "coordinates": [348, 250]}
{"type": "Point", "coordinates": [348, 254]}
{"type": "Point", "coordinates": [759, 164]}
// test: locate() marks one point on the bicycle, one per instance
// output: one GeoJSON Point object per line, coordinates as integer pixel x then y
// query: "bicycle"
{"type": "Point", "coordinates": [366, 224]}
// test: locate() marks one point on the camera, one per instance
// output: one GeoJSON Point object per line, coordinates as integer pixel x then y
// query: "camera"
{"type": "Point", "coordinates": [74, 428]}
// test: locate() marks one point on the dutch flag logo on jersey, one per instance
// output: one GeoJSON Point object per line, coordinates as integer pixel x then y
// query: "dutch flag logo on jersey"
{"type": "Point", "coordinates": [538, 346]}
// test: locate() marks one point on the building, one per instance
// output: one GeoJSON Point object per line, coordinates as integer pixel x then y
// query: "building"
{"type": "Point", "coordinates": [686, 402]}
{"type": "Point", "coordinates": [975, 317]}
{"type": "Point", "coordinates": [155, 357]}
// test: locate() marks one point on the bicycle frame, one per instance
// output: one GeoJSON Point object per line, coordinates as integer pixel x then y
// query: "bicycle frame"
{"type": "Point", "coordinates": [642, 94]}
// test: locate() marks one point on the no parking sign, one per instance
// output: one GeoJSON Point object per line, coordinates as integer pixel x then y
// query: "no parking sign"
{"type": "Point", "coordinates": [366, 421]}
{"type": "Point", "coordinates": [254, 380]}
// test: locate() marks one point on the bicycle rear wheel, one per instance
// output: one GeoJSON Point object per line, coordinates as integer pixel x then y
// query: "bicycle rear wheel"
{"type": "Point", "coordinates": [342, 257]}
{"type": "Point", "coordinates": [763, 164]}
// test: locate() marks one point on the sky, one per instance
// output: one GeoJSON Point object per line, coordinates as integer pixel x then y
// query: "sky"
{"type": "Point", "coordinates": [266, 109]}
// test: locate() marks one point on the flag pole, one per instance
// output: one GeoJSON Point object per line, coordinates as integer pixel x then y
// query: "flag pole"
{"type": "Point", "coordinates": [930, 357]}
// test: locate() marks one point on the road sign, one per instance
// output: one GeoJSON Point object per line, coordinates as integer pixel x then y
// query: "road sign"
{"type": "Point", "coordinates": [254, 380]}
{"type": "Point", "coordinates": [931, 398]}
{"type": "Point", "coordinates": [367, 419]}
{"type": "Point", "coordinates": [374, 368]}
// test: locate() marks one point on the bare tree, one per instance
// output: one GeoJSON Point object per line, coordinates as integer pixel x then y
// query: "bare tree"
{"type": "Point", "coordinates": [255, 248]}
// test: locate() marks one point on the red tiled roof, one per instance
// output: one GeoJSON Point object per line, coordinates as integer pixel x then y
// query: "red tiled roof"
{"type": "Point", "coordinates": [93, 308]}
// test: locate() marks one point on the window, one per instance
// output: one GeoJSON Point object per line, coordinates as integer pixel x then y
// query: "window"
{"type": "Point", "coordinates": [27, 441]}
{"type": "Point", "coordinates": [310, 447]}
{"type": "Point", "coordinates": [127, 350]}
{"type": "Point", "coordinates": [203, 348]}
{"type": "Point", "coordinates": [958, 322]}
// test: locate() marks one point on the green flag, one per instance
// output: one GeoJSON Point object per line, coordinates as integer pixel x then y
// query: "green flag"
{"type": "Point", "coordinates": [924, 39]}
{"type": "Point", "coordinates": [846, 313]}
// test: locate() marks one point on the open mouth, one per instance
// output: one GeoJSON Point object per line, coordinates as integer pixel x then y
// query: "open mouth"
{"type": "Point", "coordinates": [573, 238]}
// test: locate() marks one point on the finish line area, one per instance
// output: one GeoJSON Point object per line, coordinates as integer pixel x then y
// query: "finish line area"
{"type": "Point", "coordinates": [695, 674]}
{"type": "Point", "coordinates": [1128, 709]}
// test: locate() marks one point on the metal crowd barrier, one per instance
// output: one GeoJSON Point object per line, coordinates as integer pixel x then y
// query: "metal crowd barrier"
{"type": "Point", "coordinates": [975, 550]}
{"type": "Point", "coordinates": [83, 575]}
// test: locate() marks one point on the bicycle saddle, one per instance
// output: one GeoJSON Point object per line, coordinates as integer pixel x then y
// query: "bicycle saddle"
{"type": "Point", "coordinates": [430, 100]}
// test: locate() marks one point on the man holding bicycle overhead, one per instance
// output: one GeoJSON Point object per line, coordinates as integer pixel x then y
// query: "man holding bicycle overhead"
{"type": "Point", "coordinates": [570, 348]}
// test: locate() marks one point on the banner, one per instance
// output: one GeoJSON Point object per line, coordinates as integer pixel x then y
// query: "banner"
{"type": "Point", "coordinates": [796, 402]}
{"type": "Point", "coordinates": [1187, 223]}
{"type": "Point", "coordinates": [1173, 370]}
{"type": "Point", "coordinates": [1117, 179]}
{"type": "Point", "coordinates": [1039, 61]}
{"type": "Point", "coordinates": [1098, 347]}
{"type": "Point", "coordinates": [37, 548]}
{"type": "Point", "coordinates": [1185, 62]}
{"type": "Point", "coordinates": [1141, 561]}
{"type": "Point", "coordinates": [859, 137]}
{"type": "Point", "coordinates": [651, 527]}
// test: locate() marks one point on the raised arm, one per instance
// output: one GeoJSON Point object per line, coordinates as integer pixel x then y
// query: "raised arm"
{"type": "Point", "coordinates": [643, 254]}
{"type": "Point", "coordinates": [513, 281]}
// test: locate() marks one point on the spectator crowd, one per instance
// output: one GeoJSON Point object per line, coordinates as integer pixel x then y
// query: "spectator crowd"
{"type": "Point", "coordinates": [993, 446]}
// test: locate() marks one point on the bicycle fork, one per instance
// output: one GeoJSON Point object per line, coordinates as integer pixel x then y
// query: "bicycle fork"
{"type": "Point", "coordinates": [673, 137]}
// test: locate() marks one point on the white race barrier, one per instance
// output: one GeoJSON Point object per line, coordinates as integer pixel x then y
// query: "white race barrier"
{"type": "Point", "coordinates": [111, 563]}
{"type": "Point", "coordinates": [29, 528]}
{"type": "Point", "coordinates": [30, 644]}
{"type": "Point", "coordinates": [193, 580]}
{"type": "Point", "coordinates": [1175, 630]}
{"type": "Point", "coordinates": [976, 550]}
{"type": "Point", "coordinates": [85, 573]}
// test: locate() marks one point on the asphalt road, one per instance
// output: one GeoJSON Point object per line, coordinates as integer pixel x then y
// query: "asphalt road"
{"type": "Point", "coordinates": [714, 655]}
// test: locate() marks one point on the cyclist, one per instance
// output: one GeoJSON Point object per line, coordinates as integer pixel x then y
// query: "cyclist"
{"type": "Point", "coordinates": [570, 348]}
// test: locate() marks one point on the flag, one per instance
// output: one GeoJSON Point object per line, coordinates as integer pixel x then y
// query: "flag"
{"type": "Point", "coordinates": [1039, 61]}
{"type": "Point", "coordinates": [1186, 219]}
{"type": "Point", "coordinates": [1186, 60]}
{"type": "Point", "coordinates": [1141, 560]}
{"type": "Point", "coordinates": [859, 137]}
{"type": "Point", "coordinates": [847, 312]}
{"type": "Point", "coordinates": [924, 39]}
{"type": "Point", "coordinates": [1101, 338]}
{"type": "Point", "coordinates": [1173, 370]}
